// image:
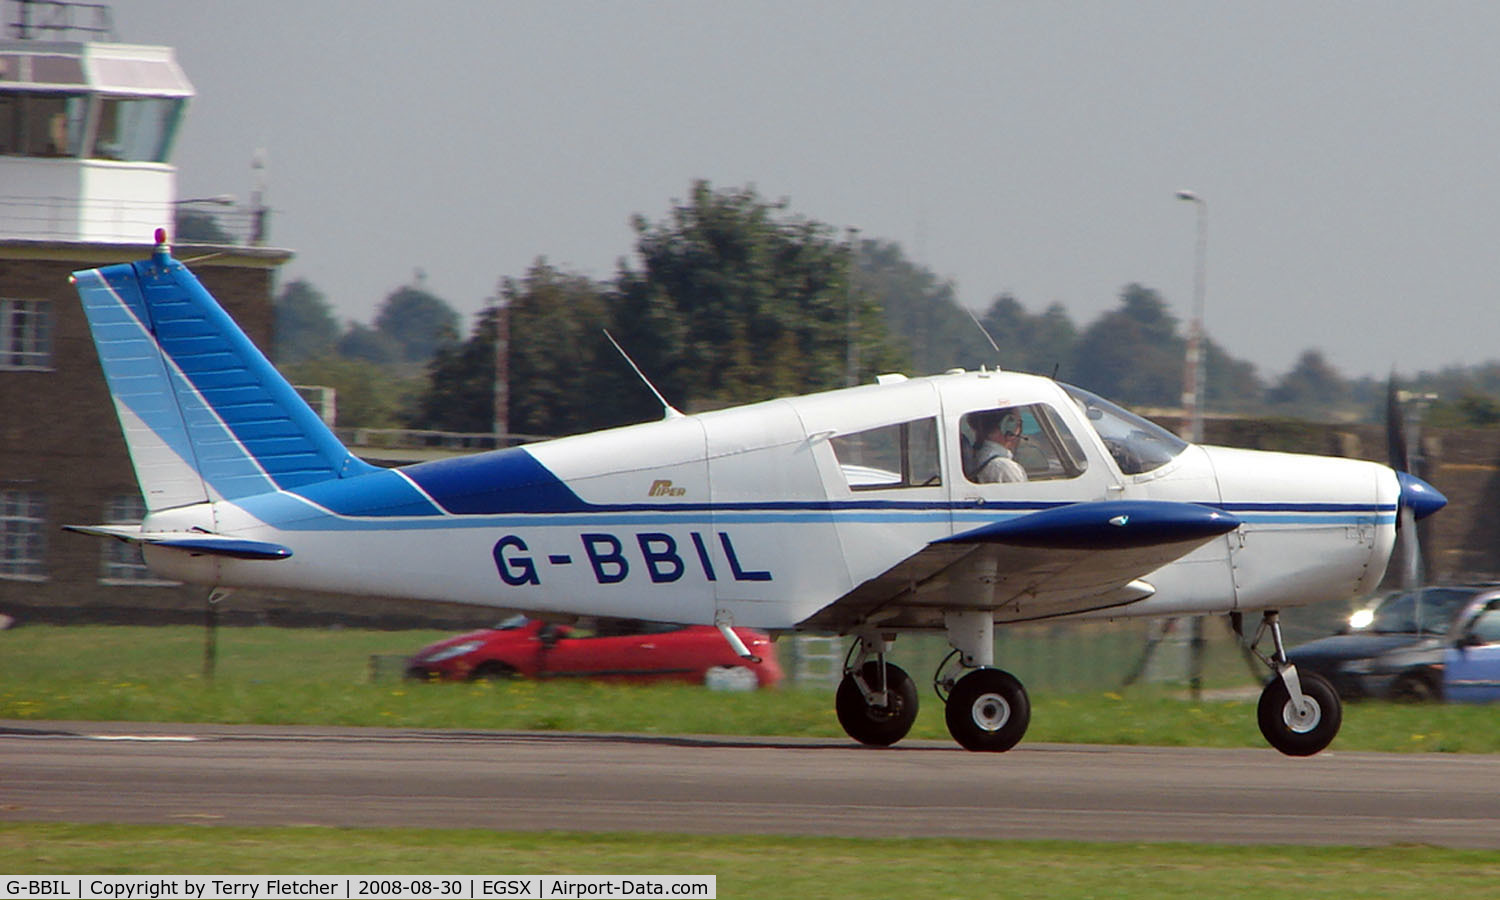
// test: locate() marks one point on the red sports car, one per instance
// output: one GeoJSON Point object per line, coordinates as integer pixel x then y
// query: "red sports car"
{"type": "Point", "coordinates": [616, 649]}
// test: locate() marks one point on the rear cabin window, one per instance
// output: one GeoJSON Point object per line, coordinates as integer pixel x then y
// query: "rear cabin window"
{"type": "Point", "coordinates": [892, 456]}
{"type": "Point", "coordinates": [1018, 443]}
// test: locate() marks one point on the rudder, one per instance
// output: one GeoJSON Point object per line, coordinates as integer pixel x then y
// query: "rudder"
{"type": "Point", "coordinates": [205, 414]}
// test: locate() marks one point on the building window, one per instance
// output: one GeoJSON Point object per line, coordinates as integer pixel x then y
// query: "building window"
{"type": "Point", "coordinates": [121, 561]}
{"type": "Point", "coordinates": [34, 123]}
{"type": "Point", "coordinates": [23, 536]}
{"type": "Point", "coordinates": [138, 129]}
{"type": "Point", "coordinates": [25, 334]}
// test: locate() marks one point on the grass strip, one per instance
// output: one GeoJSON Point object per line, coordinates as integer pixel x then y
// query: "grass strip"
{"type": "Point", "coordinates": [757, 866]}
{"type": "Point", "coordinates": [276, 676]}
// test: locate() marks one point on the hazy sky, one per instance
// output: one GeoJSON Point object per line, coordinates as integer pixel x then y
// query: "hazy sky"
{"type": "Point", "coordinates": [1348, 153]}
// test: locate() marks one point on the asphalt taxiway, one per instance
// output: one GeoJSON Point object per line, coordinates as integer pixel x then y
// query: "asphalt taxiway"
{"type": "Point", "coordinates": [255, 775]}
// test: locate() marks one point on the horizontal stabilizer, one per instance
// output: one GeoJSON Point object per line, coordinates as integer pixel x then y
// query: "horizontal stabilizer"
{"type": "Point", "coordinates": [1105, 525]}
{"type": "Point", "coordinates": [197, 543]}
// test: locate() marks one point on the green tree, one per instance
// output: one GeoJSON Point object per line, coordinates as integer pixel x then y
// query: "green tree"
{"type": "Point", "coordinates": [366, 395]}
{"type": "Point", "coordinates": [304, 324]}
{"type": "Point", "coordinates": [558, 351]}
{"type": "Point", "coordinates": [921, 312]}
{"type": "Point", "coordinates": [555, 361]}
{"type": "Point", "coordinates": [1031, 343]}
{"type": "Point", "coordinates": [1467, 396]}
{"type": "Point", "coordinates": [751, 302]}
{"type": "Point", "coordinates": [1230, 384]}
{"type": "Point", "coordinates": [361, 342]}
{"type": "Point", "coordinates": [417, 322]}
{"type": "Point", "coordinates": [460, 386]}
{"type": "Point", "coordinates": [1133, 353]}
{"type": "Point", "coordinates": [1470, 410]}
{"type": "Point", "coordinates": [1313, 388]}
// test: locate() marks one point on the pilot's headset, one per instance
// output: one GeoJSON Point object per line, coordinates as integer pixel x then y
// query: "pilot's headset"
{"type": "Point", "coordinates": [1010, 425]}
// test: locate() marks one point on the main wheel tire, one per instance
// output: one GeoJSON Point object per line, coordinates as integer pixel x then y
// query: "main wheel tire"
{"type": "Point", "coordinates": [1300, 734]}
{"type": "Point", "coordinates": [878, 726]}
{"type": "Point", "coordinates": [988, 710]}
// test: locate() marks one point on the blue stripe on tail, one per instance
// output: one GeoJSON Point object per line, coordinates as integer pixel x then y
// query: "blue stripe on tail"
{"type": "Point", "coordinates": [208, 399]}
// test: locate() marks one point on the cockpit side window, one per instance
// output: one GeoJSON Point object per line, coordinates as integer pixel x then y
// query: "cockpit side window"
{"type": "Point", "coordinates": [1136, 444]}
{"type": "Point", "coordinates": [891, 456]}
{"type": "Point", "coordinates": [1018, 443]}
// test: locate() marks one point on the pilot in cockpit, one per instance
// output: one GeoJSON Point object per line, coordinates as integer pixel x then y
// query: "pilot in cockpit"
{"type": "Point", "coordinates": [994, 458]}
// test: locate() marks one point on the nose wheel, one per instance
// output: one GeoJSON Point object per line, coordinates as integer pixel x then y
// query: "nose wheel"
{"type": "Point", "coordinates": [1299, 713]}
{"type": "Point", "coordinates": [1300, 729]}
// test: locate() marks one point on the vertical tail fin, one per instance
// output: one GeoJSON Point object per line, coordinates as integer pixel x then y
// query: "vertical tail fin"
{"type": "Point", "coordinates": [205, 414]}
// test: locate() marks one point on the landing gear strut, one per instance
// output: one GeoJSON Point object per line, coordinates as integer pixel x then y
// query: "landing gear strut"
{"type": "Point", "coordinates": [1299, 714]}
{"type": "Point", "coordinates": [876, 701]}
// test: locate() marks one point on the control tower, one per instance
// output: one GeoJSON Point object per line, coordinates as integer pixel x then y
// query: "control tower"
{"type": "Point", "coordinates": [86, 127]}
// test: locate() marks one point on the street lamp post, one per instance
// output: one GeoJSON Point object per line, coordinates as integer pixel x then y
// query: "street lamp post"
{"type": "Point", "coordinates": [851, 346]}
{"type": "Point", "coordinates": [1195, 370]}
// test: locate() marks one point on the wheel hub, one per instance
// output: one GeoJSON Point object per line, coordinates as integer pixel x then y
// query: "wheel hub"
{"type": "Point", "coordinates": [990, 712]}
{"type": "Point", "coordinates": [1307, 720]}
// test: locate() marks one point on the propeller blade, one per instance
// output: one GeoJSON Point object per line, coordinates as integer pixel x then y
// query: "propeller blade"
{"type": "Point", "coordinates": [1395, 429]}
{"type": "Point", "coordinates": [1411, 554]}
{"type": "Point", "coordinates": [1418, 499]}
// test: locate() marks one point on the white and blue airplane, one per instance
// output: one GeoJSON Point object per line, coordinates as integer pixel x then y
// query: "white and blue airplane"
{"type": "Point", "coordinates": [864, 512]}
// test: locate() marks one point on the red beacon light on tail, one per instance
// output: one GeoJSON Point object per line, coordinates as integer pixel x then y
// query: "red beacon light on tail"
{"type": "Point", "coordinates": [162, 252]}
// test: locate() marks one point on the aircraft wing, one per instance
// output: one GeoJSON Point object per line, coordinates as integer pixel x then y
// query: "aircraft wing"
{"type": "Point", "coordinates": [1068, 559]}
{"type": "Point", "coordinates": [197, 543]}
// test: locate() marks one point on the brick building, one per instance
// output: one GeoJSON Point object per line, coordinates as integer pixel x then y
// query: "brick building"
{"type": "Point", "coordinates": [62, 457]}
{"type": "Point", "coordinates": [86, 131]}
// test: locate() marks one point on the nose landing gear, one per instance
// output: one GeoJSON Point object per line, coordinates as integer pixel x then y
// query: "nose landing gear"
{"type": "Point", "coordinates": [1298, 714]}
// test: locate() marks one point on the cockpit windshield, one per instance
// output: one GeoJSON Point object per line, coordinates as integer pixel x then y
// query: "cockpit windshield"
{"type": "Point", "coordinates": [1136, 444]}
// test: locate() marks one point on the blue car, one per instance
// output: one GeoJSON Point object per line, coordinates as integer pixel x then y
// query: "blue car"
{"type": "Point", "coordinates": [1471, 664]}
{"type": "Point", "coordinates": [1433, 643]}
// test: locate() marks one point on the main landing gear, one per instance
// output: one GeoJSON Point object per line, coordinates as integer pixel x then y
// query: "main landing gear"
{"type": "Point", "coordinates": [1298, 714]}
{"type": "Point", "coordinates": [986, 709]}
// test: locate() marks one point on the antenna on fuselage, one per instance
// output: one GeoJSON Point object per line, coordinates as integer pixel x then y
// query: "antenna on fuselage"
{"type": "Point", "coordinates": [984, 331]}
{"type": "Point", "coordinates": [668, 411]}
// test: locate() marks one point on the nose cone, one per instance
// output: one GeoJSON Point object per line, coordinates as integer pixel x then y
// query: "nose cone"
{"type": "Point", "coordinates": [1419, 496]}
